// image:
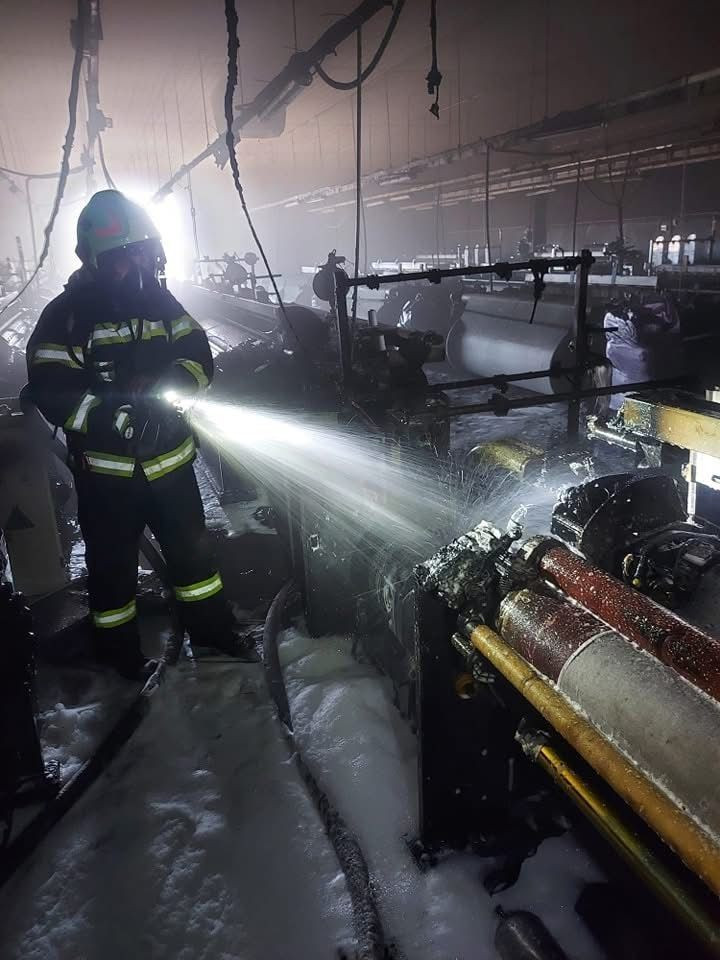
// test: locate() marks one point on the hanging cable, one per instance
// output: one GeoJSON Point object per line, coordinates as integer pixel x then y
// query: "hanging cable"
{"type": "Point", "coordinates": [43, 176]}
{"type": "Point", "coordinates": [434, 77]}
{"type": "Point", "coordinates": [101, 151]}
{"type": "Point", "coordinates": [358, 173]}
{"type": "Point", "coordinates": [78, 35]}
{"type": "Point", "coordinates": [204, 101]}
{"type": "Point", "coordinates": [488, 148]}
{"type": "Point", "coordinates": [233, 46]}
{"type": "Point", "coordinates": [353, 84]}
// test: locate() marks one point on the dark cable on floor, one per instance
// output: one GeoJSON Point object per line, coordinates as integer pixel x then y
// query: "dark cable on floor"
{"type": "Point", "coordinates": [78, 34]}
{"type": "Point", "coordinates": [369, 70]}
{"type": "Point", "coordinates": [371, 944]}
{"type": "Point", "coordinates": [101, 151]}
{"type": "Point", "coordinates": [358, 174]}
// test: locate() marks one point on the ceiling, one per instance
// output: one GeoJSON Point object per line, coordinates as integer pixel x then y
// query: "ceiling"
{"type": "Point", "coordinates": [503, 66]}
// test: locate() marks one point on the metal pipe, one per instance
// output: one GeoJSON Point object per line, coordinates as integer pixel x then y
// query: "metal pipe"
{"type": "Point", "coordinates": [502, 269]}
{"type": "Point", "coordinates": [695, 847]}
{"type": "Point", "coordinates": [694, 654]}
{"type": "Point", "coordinates": [581, 344]}
{"type": "Point", "coordinates": [601, 431]}
{"type": "Point", "coordinates": [615, 828]}
{"type": "Point", "coordinates": [501, 405]}
{"type": "Point", "coordinates": [499, 380]}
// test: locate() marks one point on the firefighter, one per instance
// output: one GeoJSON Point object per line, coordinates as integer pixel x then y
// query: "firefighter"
{"type": "Point", "coordinates": [104, 358]}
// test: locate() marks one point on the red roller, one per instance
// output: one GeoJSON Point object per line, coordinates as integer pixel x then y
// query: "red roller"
{"type": "Point", "coordinates": [694, 654]}
{"type": "Point", "coordinates": [546, 631]}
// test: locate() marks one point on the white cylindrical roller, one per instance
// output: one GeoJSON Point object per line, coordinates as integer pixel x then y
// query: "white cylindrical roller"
{"type": "Point", "coordinates": [494, 336]}
{"type": "Point", "coordinates": [665, 724]}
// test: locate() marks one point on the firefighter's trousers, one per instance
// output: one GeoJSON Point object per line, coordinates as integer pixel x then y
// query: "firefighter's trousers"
{"type": "Point", "coordinates": [113, 512]}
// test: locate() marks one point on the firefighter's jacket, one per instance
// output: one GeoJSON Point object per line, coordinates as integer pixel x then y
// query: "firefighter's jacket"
{"type": "Point", "coordinates": [86, 357]}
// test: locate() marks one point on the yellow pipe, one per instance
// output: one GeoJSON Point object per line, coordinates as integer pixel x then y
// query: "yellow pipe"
{"type": "Point", "coordinates": [608, 821]}
{"type": "Point", "coordinates": [512, 455]}
{"type": "Point", "coordinates": [696, 848]}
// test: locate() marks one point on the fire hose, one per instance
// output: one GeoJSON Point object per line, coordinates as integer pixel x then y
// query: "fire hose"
{"type": "Point", "coordinates": [366, 917]}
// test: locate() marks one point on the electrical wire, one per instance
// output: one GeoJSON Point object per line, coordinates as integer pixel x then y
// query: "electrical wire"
{"type": "Point", "coordinates": [369, 70]}
{"type": "Point", "coordinates": [79, 35]}
{"type": "Point", "coordinates": [434, 77]}
{"type": "Point", "coordinates": [43, 176]}
{"type": "Point", "coordinates": [358, 173]}
{"type": "Point", "coordinates": [108, 179]}
{"type": "Point", "coordinates": [233, 46]}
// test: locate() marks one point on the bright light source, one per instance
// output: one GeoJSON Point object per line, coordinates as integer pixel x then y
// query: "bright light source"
{"type": "Point", "coordinates": [405, 196]}
{"type": "Point", "coordinates": [165, 214]}
{"type": "Point", "coordinates": [172, 396]}
{"type": "Point", "coordinates": [292, 203]}
{"type": "Point", "coordinates": [374, 203]}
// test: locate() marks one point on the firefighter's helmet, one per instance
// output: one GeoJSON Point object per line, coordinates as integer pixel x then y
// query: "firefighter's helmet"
{"type": "Point", "coordinates": [110, 221]}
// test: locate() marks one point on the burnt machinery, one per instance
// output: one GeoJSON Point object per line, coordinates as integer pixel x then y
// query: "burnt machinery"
{"type": "Point", "coordinates": [519, 663]}
{"type": "Point", "coordinates": [562, 657]}
{"type": "Point", "coordinates": [530, 658]}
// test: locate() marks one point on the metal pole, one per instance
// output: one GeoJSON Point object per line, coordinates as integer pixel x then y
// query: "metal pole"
{"type": "Point", "coordinates": [32, 221]}
{"type": "Point", "coordinates": [193, 215]}
{"type": "Point", "coordinates": [341, 286]}
{"type": "Point", "coordinates": [502, 269]}
{"type": "Point", "coordinates": [581, 345]}
{"type": "Point", "coordinates": [487, 210]}
{"type": "Point", "coordinates": [575, 213]}
{"type": "Point", "coordinates": [21, 259]}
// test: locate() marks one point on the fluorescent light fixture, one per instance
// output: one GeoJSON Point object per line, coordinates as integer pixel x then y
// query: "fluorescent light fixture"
{"type": "Point", "coordinates": [374, 203]}
{"type": "Point", "coordinates": [292, 203]}
{"type": "Point", "coordinates": [315, 200]}
{"type": "Point", "coordinates": [405, 196]}
{"type": "Point", "coordinates": [540, 193]}
{"type": "Point", "coordinates": [395, 178]}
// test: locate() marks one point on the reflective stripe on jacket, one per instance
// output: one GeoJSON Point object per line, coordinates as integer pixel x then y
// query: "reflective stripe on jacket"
{"type": "Point", "coordinates": [87, 352]}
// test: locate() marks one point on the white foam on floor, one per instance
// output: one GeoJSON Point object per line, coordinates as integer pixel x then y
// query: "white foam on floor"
{"type": "Point", "coordinates": [366, 757]}
{"type": "Point", "coordinates": [200, 841]}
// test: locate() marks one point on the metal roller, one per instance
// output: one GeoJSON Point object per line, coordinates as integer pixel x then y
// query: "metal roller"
{"type": "Point", "coordinates": [521, 935]}
{"type": "Point", "coordinates": [652, 714]}
{"type": "Point", "coordinates": [689, 650]}
{"type": "Point", "coordinates": [494, 336]}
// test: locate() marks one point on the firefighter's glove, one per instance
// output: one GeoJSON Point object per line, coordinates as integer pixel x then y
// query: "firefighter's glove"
{"type": "Point", "coordinates": [123, 421]}
{"type": "Point", "coordinates": [183, 380]}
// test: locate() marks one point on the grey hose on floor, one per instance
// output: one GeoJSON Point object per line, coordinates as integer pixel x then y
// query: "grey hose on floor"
{"type": "Point", "coordinates": [366, 918]}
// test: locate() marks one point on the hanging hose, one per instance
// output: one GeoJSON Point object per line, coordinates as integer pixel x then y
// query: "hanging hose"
{"type": "Point", "coordinates": [78, 34]}
{"type": "Point", "coordinates": [352, 84]}
{"type": "Point", "coordinates": [366, 918]}
{"type": "Point", "coordinates": [108, 179]}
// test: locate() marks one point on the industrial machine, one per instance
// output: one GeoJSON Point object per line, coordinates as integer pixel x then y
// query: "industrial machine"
{"type": "Point", "coordinates": [540, 673]}
{"type": "Point", "coordinates": [562, 655]}
{"type": "Point", "coordinates": [549, 667]}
